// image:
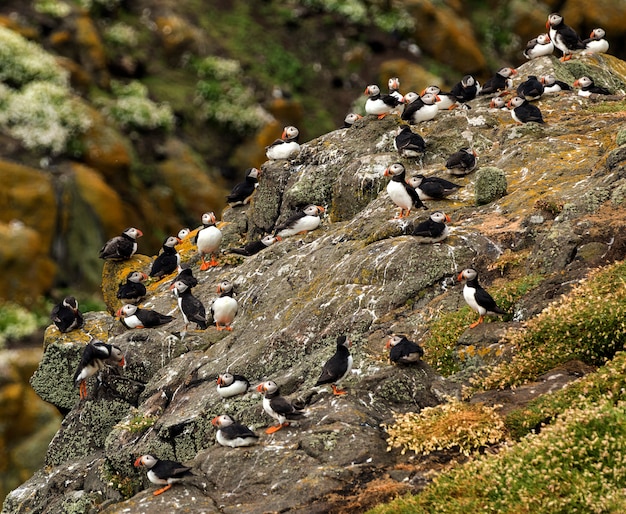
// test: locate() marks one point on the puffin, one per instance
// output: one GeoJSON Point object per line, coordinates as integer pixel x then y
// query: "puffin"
{"type": "Point", "coordinates": [497, 102]}
{"type": "Point", "coordinates": [462, 162]}
{"type": "Point", "coordinates": [168, 260]}
{"type": "Point", "coordinates": [122, 247]}
{"type": "Point", "coordinates": [232, 385]}
{"type": "Point", "coordinates": [186, 275]}
{"type": "Point", "coordinates": [163, 472]}
{"type": "Point", "coordinates": [432, 230]}
{"type": "Point", "coordinates": [350, 119]}
{"type": "Point", "coordinates": [420, 108]}
{"type": "Point", "coordinates": [278, 407]}
{"type": "Point", "coordinates": [255, 246]}
{"type": "Point", "coordinates": [523, 111]}
{"type": "Point", "coordinates": [538, 47]}
{"type": "Point", "coordinates": [338, 367]}
{"type": "Point", "coordinates": [233, 434]}
{"type": "Point", "coordinates": [380, 104]}
{"type": "Point", "coordinates": [595, 43]}
{"type": "Point", "coordinates": [446, 101]}
{"type": "Point", "coordinates": [301, 222]}
{"type": "Point", "coordinates": [564, 37]}
{"type": "Point", "coordinates": [95, 357]}
{"type": "Point", "coordinates": [133, 290]}
{"type": "Point", "coordinates": [66, 316]}
{"type": "Point", "coordinates": [132, 316]}
{"type": "Point", "coordinates": [241, 194]}
{"type": "Point", "coordinates": [588, 88]}
{"type": "Point", "coordinates": [401, 193]}
{"type": "Point", "coordinates": [224, 307]}
{"type": "Point", "coordinates": [552, 85]}
{"type": "Point", "coordinates": [466, 89]}
{"type": "Point", "coordinates": [432, 188]}
{"type": "Point", "coordinates": [403, 351]}
{"type": "Point", "coordinates": [287, 147]}
{"type": "Point", "coordinates": [531, 88]}
{"type": "Point", "coordinates": [394, 88]}
{"type": "Point", "coordinates": [208, 240]}
{"type": "Point", "coordinates": [408, 143]}
{"type": "Point", "coordinates": [190, 307]}
{"type": "Point", "coordinates": [183, 233]}
{"type": "Point", "coordinates": [476, 297]}
{"type": "Point", "coordinates": [499, 82]}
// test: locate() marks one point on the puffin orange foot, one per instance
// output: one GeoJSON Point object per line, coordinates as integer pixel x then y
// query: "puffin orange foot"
{"type": "Point", "coordinates": [83, 390]}
{"type": "Point", "coordinates": [476, 323]}
{"type": "Point", "coordinates": [337, 391]}
{"type": "Point", "coordinates": [276, 428]}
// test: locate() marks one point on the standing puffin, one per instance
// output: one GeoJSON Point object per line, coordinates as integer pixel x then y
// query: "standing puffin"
{"type": "Point", "coordinates": [224, 308]}
{"type": "Point", "coordinates": [122, 247]}
{"type": "Point", "coordinates": [432, 230]}
{"type": "Point", "coordinates": [588, 88]}
{"type": "Point", "coordinates": [408, 143]}
{"type": "Point", "coordinates": [233, 434]}
{"type": "Point", "coordinates": [232, 385]}
{"type": "Point", "coordinates": [95, 357]}
{"type": "Point", "coordinates": [564, 37]}
{"type": "Point", "coordinates": [66, 315]}
{"type": "Point", "coordinates": [350, 119]}
{"type": "Point", "coordinates": [595, 43]}
{"type": "Point", "coordinates": [301, 222]}
{"type": "Point", "coordinates": [338, 367]}
{"type": "Point", "coordinates": [278, 407]}
{"type": "Point", "coordinates": [466, 89]}
{"type": "Point", "coordinates": [287, 147]}
{"type": "Point", "coordinates": [499, 82]}
{"type": "Point", "coordinates": [432, 188]}
{"type": "Point", "coordinates": [538, 47]}
{"type": "Point", "coordinates": [403, 195]}
{"type": "Point", "coordinates": [552, 85]}
{"type": "Point", "coordinates": [133, 290]}
{"type": "Point", "coordinates": [462, 162]}
{"type": "Point", "coordinates": [132, 316]}
{"type": "Point", "coordinates": [190, 307]}
{"type": "Point", "coordinates": [531, 88]}
{"type": "Point", "coordinates": [523, 111]}
{"type": "Point", "coordinates": [403, 351]}
{"type": "Point", "coordinates": [241, 194]}
{"type": "Point", "coordinates": [476, 297]}
{"type": "Point", "coordinates": [208, 240]}
{"type": "Point", "coordinates": [254, 247]}
{"type": "Point", "coordinates": [420, 108]}
{"type": "Point", "coordinates": [163, 472]}
{"type": "Point", "coordinates": [379, 104]}
{"type": "Point", "coordinates": [168, 260]}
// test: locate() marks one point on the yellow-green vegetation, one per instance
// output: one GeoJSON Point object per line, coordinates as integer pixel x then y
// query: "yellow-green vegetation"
{"type": "Point", "coordinates": [588, 324]}
{"type": "Point", "coordinates": [137, 422]}
{"type": "Point", "coordinates": [126, 486]}
{"type": "Point", "coordinates": [17, 322]}
{"type": "Point", "coordinates": [453, 425]}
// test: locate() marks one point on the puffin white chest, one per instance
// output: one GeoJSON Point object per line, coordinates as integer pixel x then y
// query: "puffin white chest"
{"type": "Point", "coordinates": [224, 309]}
{"type": "Point", "coordinates": [399, 195]}
{"type": "Point", "coordinates": [133, 321]}
{"type": "Point", "coordinates": [377, 107]}
{"type": "Point", "coordinates": [469, 293]}
{"type": "Point", "coordinates": [285, 150]}
{"type": "Point", "coordinates": [267, 407]}
{"type": "Point", "coordinates": [209, 239]}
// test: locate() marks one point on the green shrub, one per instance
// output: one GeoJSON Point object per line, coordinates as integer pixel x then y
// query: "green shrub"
{"type": "Point", "coordinates": [16, 322]}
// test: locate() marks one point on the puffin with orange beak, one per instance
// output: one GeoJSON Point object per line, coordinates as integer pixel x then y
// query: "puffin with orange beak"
{"type": "Point", "coordinates": [476, 297]}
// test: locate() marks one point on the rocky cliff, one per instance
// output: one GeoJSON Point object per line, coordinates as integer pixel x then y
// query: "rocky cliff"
{"type": "Point", "coordinates": [361, 274]}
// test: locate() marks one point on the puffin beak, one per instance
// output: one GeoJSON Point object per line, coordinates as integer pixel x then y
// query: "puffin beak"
{"type": "Point", "coordinates": [492, 104]}
{"type": "Point", "coordinates": [118, 314]}
{"type": "Point", "coordinates": [138, 462]}
{"type": "Point", "coordinates": [219, 289]}
{"type": "Point", "coordinates": [387, 173]}
{"type": "Point", "coordinates": [576, 83]}
{"type": "Point", "coordinates": [139, 233]}
{"type": "Point", "coordinates": [548, 25]}
{"type": "Point", "coordinates": [179, 240]}
{"type": "Point", "coordinates": [260, 388]}
{"type": "Point", "coordinates": [422, 92]}
{"type": "Point", "coordinates": [214, 421]}
{"type": "Point", "coordinates": [514, 71]}
{"type": "Point", "coordinates": [172, 286]}
{"type": "Point", "coordinates": [437, 98]}
{"type": "Point", "coordinates": [321, 208]}
{"type": "Point", "coordinates": [367, 91]}
{"type": "Point", "coordinates": [219, 380]}
{"type": "Point", "coordinates": [123, 362]}
{"type": "Point", "coordinates": [592, 33]}
{"type": "Point", "coordinates": [278, 238]}
{"type": "Point", "coordinates": [508, 104]}
{"type": "Point", "coordinates": [144, 276]}
{"type": "Point", "coordinates": [283, 135]}
{"type": "Point", "coordinates": [448, 218]}
{"type": "Point", "coordinates": [460, 277]}
{"type": "Point", "coordinates": [548, 37]}
{"type": "Point", "coordinates": [388, 344]}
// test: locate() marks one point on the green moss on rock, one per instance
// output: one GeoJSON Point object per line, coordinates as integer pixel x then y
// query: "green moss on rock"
{"type": "Point", "coordinates": [491, 184]}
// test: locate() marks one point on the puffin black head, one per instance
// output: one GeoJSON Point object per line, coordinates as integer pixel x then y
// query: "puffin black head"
{"type": "Point", "coordinates": [222, 421]}
{"type": "Point", "coordinates": [372, 90]}
{"type": "Point", "coordinates": [71, 303]}
{"type": "Point", "coordinates": [395, 170]}
{"type": "Point", "coordinates": [225, 379]}
{"type": "Point", "coordinates": [183, 233]}
{"type": "Point", "coordinates": [208, 218]}
{"type": "Point", "coordinates": [136, 277]}
{"type": "Point", "coordinates": [290, 133]}
{"type": "Point", "coordinates": [225, 287]}
{"type": "Point", "coordinates": [132, 233]}
{"type": "Point", "coordinates": [468, 81]}
{"type": "Point", "coordinates": [440, 217]}
{"type": "Point", "coordinates": [343, 341]}
{"type": "Point", "coordinates": [467, 274]}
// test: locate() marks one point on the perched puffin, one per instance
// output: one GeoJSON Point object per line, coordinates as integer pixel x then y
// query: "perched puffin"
{"type": "Point", "coordinates": [497, 102]}
{"type": "Point", "coordinates": [499, 82]}
{"type": "Point", "coordinates": [121, 247]}
{"type": "Point", "coordinates": [432, 188]}
{"type": "Point", "coordinates": [466, 89]}
{"type": "Point", "coordinates": [523, 111]}
{"type": "Point", "coordinates": [208, 240]}
{"type": "Point", "coordinates": [462, 162]}
{"type": "Point", "coordinates": [163, 472]}
{"type": "Point", "coordinates": [446, 101]}
{"type": "Point", "coordinates": [133, 289]}
{"type": "Point", "coordinates": [588, 88]}
{"type": "Point", "coordinates": [190, 307]}
{"type": "Point", "coordinates": [95, 357]}
{"type": "Point", "coordinates": [379, 104]}
{"type": "Point", "coordinates": [476, 297]}
{"type": "Point", "coordinates": [350, 118]}
{"type": "Point", "coordinates": [66, 315]}
{"type": "Point", "coordinates": [255, 246]}
{"type": "Point", "coordinates": [301, 222]}
{"type": "Point", "coordinates": [531, 88]}
{"type": "Point", "coordinates": [338, 367]}
{"type": "Point", "coordinates": [132, 316]}
{"type": "Point", "coordinates": [595, 43]}
{"type": "Point", "coordinates": [241, 194]}
{"type": "Point", "coordinates": [408, 143]}
{"type": "Point", "coordinates": [432, 230]}
{"type": "Point", "coordinates": [224, 308]}
{"type": "Point", "coordinates": [186, 276]}
{"type": "Point", "coordinates": [419, 108]}
{"type": "Point", "coordinates": [287, 147]}
{"type": "Point", "coordinates": [183, 233]}
{"type": "Point", "coordinates": [538, 47]}
{"type": "Point", "coordinates": [403, 195]}
{"type": "Point", "coordinates": [278, 407]}
{"type": "Point", "coordinates": [168, 260]}
{"type": "Point", "coordinates": [232, 385]}
{"type": "Point", "coordinates": [394, 88]}
{"type": "Point", "coordinates": [564, 37]}
{"type": "Point", "coordinates": [233, 434]}
{"type": "Point", "coordinates": [403, 351]}
{"type": "Point", "coordinates": [552, 85]}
